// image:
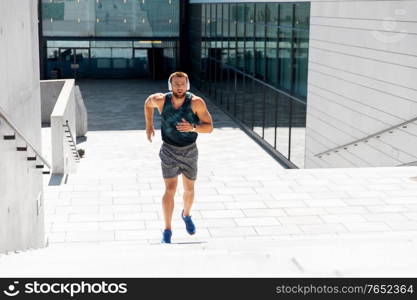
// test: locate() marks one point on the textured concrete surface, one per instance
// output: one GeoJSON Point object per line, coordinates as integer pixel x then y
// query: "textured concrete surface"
{"type": "Point", "coordinates": [21, 224]}
{"type": "Point", "coordinates": [253, 217]}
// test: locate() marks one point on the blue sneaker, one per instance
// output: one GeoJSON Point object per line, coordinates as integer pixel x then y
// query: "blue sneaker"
{"type": "Point", "coordinates": [166, 236]}
{"type": "Point", "coordinates": [189, 225]}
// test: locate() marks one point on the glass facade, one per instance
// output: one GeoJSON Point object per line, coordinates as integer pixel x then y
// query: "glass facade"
{"type": "Point", "coordinates": [252, 59]}
{"type": "Point", "coordinates": [110, 38]}
{"type": "Point", "coordinates": [110, 59]}
{"type": "Point", "coordinates": [110, 18]}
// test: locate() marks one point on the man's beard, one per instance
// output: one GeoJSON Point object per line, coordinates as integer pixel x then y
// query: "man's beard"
{"type": "Point", "coordinates": [176, 95]}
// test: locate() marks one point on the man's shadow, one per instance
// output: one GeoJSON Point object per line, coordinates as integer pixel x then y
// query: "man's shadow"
{"type": "Point", "coordinates": [181, 243]}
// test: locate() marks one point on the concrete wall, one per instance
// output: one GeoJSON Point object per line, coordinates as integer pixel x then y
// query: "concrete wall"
{"type": "Point", "coordinates": [50, 90]}
{"type": "Point", "coordinates": [21, 223]}
{"type": "Point", "coordinates": [64, 110]}
{"type": "Point", "coordinates": [362, 79]}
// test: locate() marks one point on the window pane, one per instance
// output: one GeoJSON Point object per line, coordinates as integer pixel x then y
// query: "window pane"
{"type": "Point", "coordinates": [298, 126]}
{"type": "Point", "coordinates": [301, 63]}
{"type": "Point", "coordinates": [219, 19]}
{"type": "Point", "coordinates": [110, 18]}
{"type": "Point", "coordinates": [68, 18]}
{"type": "Point", "coordinates": [250, 57]}
{"type": "Point", "coordinates": [260, 59]}
{"type": "Point", "coordinates": [69, 44]}
{"type": "Point", "coordinates": [250, 20]}
{"type": "Point", "coordinates": [240, 20]}
{"type": "Point", "coordinates": [121, 53]}
{"type": "Point", "coordinates": [284, 54]}
{"type": "Point", "coordinates": [100, 53]}
{"type": "Point", "coordinates": [106, 44]}
{"type": "Point", "coordinates": [260, 20]}
{"type": "Point", "coordinates": [272, 20]}
{"type": "Point", "coordinates": [272, 63]}
{"type": "Point", "coordinates": [240, 63]}
{"type": "Point", "coordinates": [285, 14]}
{"type": "Point", "coordinates": [225, 28]}
{"type": "Point", "coordinates": [283, 123]}
{"type": "Point", "coordinates": [302, 15]}
{"type": "Point", "coordinates": [213, 21]}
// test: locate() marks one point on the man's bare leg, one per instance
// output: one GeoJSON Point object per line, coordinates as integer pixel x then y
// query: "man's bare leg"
{"type": "Point", "coordinates": [188, 197]}
{"type": "Point", "coordinates": [168, 200]}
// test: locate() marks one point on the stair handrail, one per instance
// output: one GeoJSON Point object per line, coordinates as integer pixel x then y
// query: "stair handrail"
{"type": "Point", "coordinates": [72, 139]}
{"type": "Point", "coordinates": [412, 163]}
{"type": "Point", "coordinates": [4, 116]}
{"type": "Point", "coordinates": [377, 134]}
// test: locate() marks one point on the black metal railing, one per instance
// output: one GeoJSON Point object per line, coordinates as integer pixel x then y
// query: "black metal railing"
{"type": "Point", "coordinates": [16, 131]}
{"type": "Point", "coordinates": [274, 115]}
{"type": "Point", "coordinates": [71, 141]}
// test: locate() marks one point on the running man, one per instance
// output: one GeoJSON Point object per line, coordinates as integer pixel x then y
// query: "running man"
{"type": "Point", "coordinates": [183, 116]}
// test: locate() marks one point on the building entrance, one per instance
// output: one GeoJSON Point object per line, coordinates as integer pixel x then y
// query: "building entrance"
{"type": "Point", "coordinates": [74, 62]}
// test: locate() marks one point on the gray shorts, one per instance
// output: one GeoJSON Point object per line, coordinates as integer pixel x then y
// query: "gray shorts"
{"type": "Point", "coordinates": [176, 160]}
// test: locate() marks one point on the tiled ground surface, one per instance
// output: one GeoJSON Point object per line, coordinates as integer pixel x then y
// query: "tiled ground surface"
{"type": "Point", "coordinates": [247, 210]}
{"type": "Point", "coordinates": [240, 191]}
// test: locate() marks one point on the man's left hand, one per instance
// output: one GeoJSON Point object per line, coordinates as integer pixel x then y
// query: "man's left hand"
{"type": "Point", "coordinates": [184, 126]}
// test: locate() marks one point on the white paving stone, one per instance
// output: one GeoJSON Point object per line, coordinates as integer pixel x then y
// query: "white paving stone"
{"type": "Point", "coordinates": [323, 228]}
{"type": "Point", "coordinates": [215, 214]}
{"type": "Point", "coordinates": [227, 231]}
{"type": "Point", "coordinates": [332, 202]}
{"type": "Point", "coordinates": [81, 226]}
{"type": "Point", "coordinates": [89, 236]}
{"type": "Point", "coordinates": [343, 218]}
{"type": "Point", "coordinates": [285, 203]}
{"type": "Point", "coordinates": [305, 211]}
{"type": "Point", "coordinates": [246, 207]}
{"type": "Point", "coordinates": [131, 216]}
{"type": "Point", "coordinates": [120, 208]}
{"type": "Point", "coordinates": [367, 226]}
{"type": "Point", "coordinates": [91, 217]}
{"type": "Point", "coordinates": [382, 217]}
{"type": "Point", "coordinates": [258, 221]}
{"type": "Point", "coordinates": [125, 225]}
{"type": "Point", "coordinates": [244, 204]}
{"type": "Point", "coordinates": [263, 212]}
{"type": "Point", "coordinates": [278, 230]}
{"type": "Point", "coordinates": [300, 220]}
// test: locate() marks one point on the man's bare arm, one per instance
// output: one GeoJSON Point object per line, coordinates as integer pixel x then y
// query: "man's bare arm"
{"type": "Point", "coordinates": [206, 122]}
{"type": "Point", "coordinates": [153, 101]}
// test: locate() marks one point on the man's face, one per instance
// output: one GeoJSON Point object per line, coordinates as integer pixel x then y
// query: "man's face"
{"type": "Point", "coordinates": [179, 86]}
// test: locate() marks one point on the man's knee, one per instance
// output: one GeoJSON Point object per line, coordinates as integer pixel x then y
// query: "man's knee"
{"type": "Point", "coordinates": [171, 186]}
{"type": "Point", "coordinates": [189, 189]}
{"type": "Point", "coordinates": [170, 191]}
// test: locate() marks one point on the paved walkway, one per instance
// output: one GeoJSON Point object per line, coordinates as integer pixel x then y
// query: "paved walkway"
{"type": "Point", "coordinates": [253, 217]}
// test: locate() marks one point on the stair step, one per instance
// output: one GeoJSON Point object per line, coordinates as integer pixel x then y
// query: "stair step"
{"type": "Point", "coordinates": [40, 166]}
{"type": "Point", "coordinates": [32, 158]}
{"type": "Point", "coordinates": [21, 148]}
{"type": "Point", "coordinates": [46, 172]}
{"type": "Point", "coordinates": [9, 137]}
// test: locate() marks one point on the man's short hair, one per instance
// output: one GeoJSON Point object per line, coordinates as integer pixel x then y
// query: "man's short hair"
{"type": "Point", "coordinates": [178, 74]}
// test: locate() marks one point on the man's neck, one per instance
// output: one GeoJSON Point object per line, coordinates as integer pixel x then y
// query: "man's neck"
{"type": "Point", "coordinates": [178, 99]}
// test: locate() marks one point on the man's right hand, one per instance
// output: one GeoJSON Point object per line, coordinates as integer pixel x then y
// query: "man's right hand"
{"type": "Point", "coordinates": [149, 133]}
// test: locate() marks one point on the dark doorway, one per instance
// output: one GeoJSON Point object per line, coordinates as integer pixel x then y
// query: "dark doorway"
{"type": "Point", "coordinates": [156, 63]}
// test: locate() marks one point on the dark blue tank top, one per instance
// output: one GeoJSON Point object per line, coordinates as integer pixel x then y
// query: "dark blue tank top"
{"type": "Point", "coordinates": [171, 116]}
